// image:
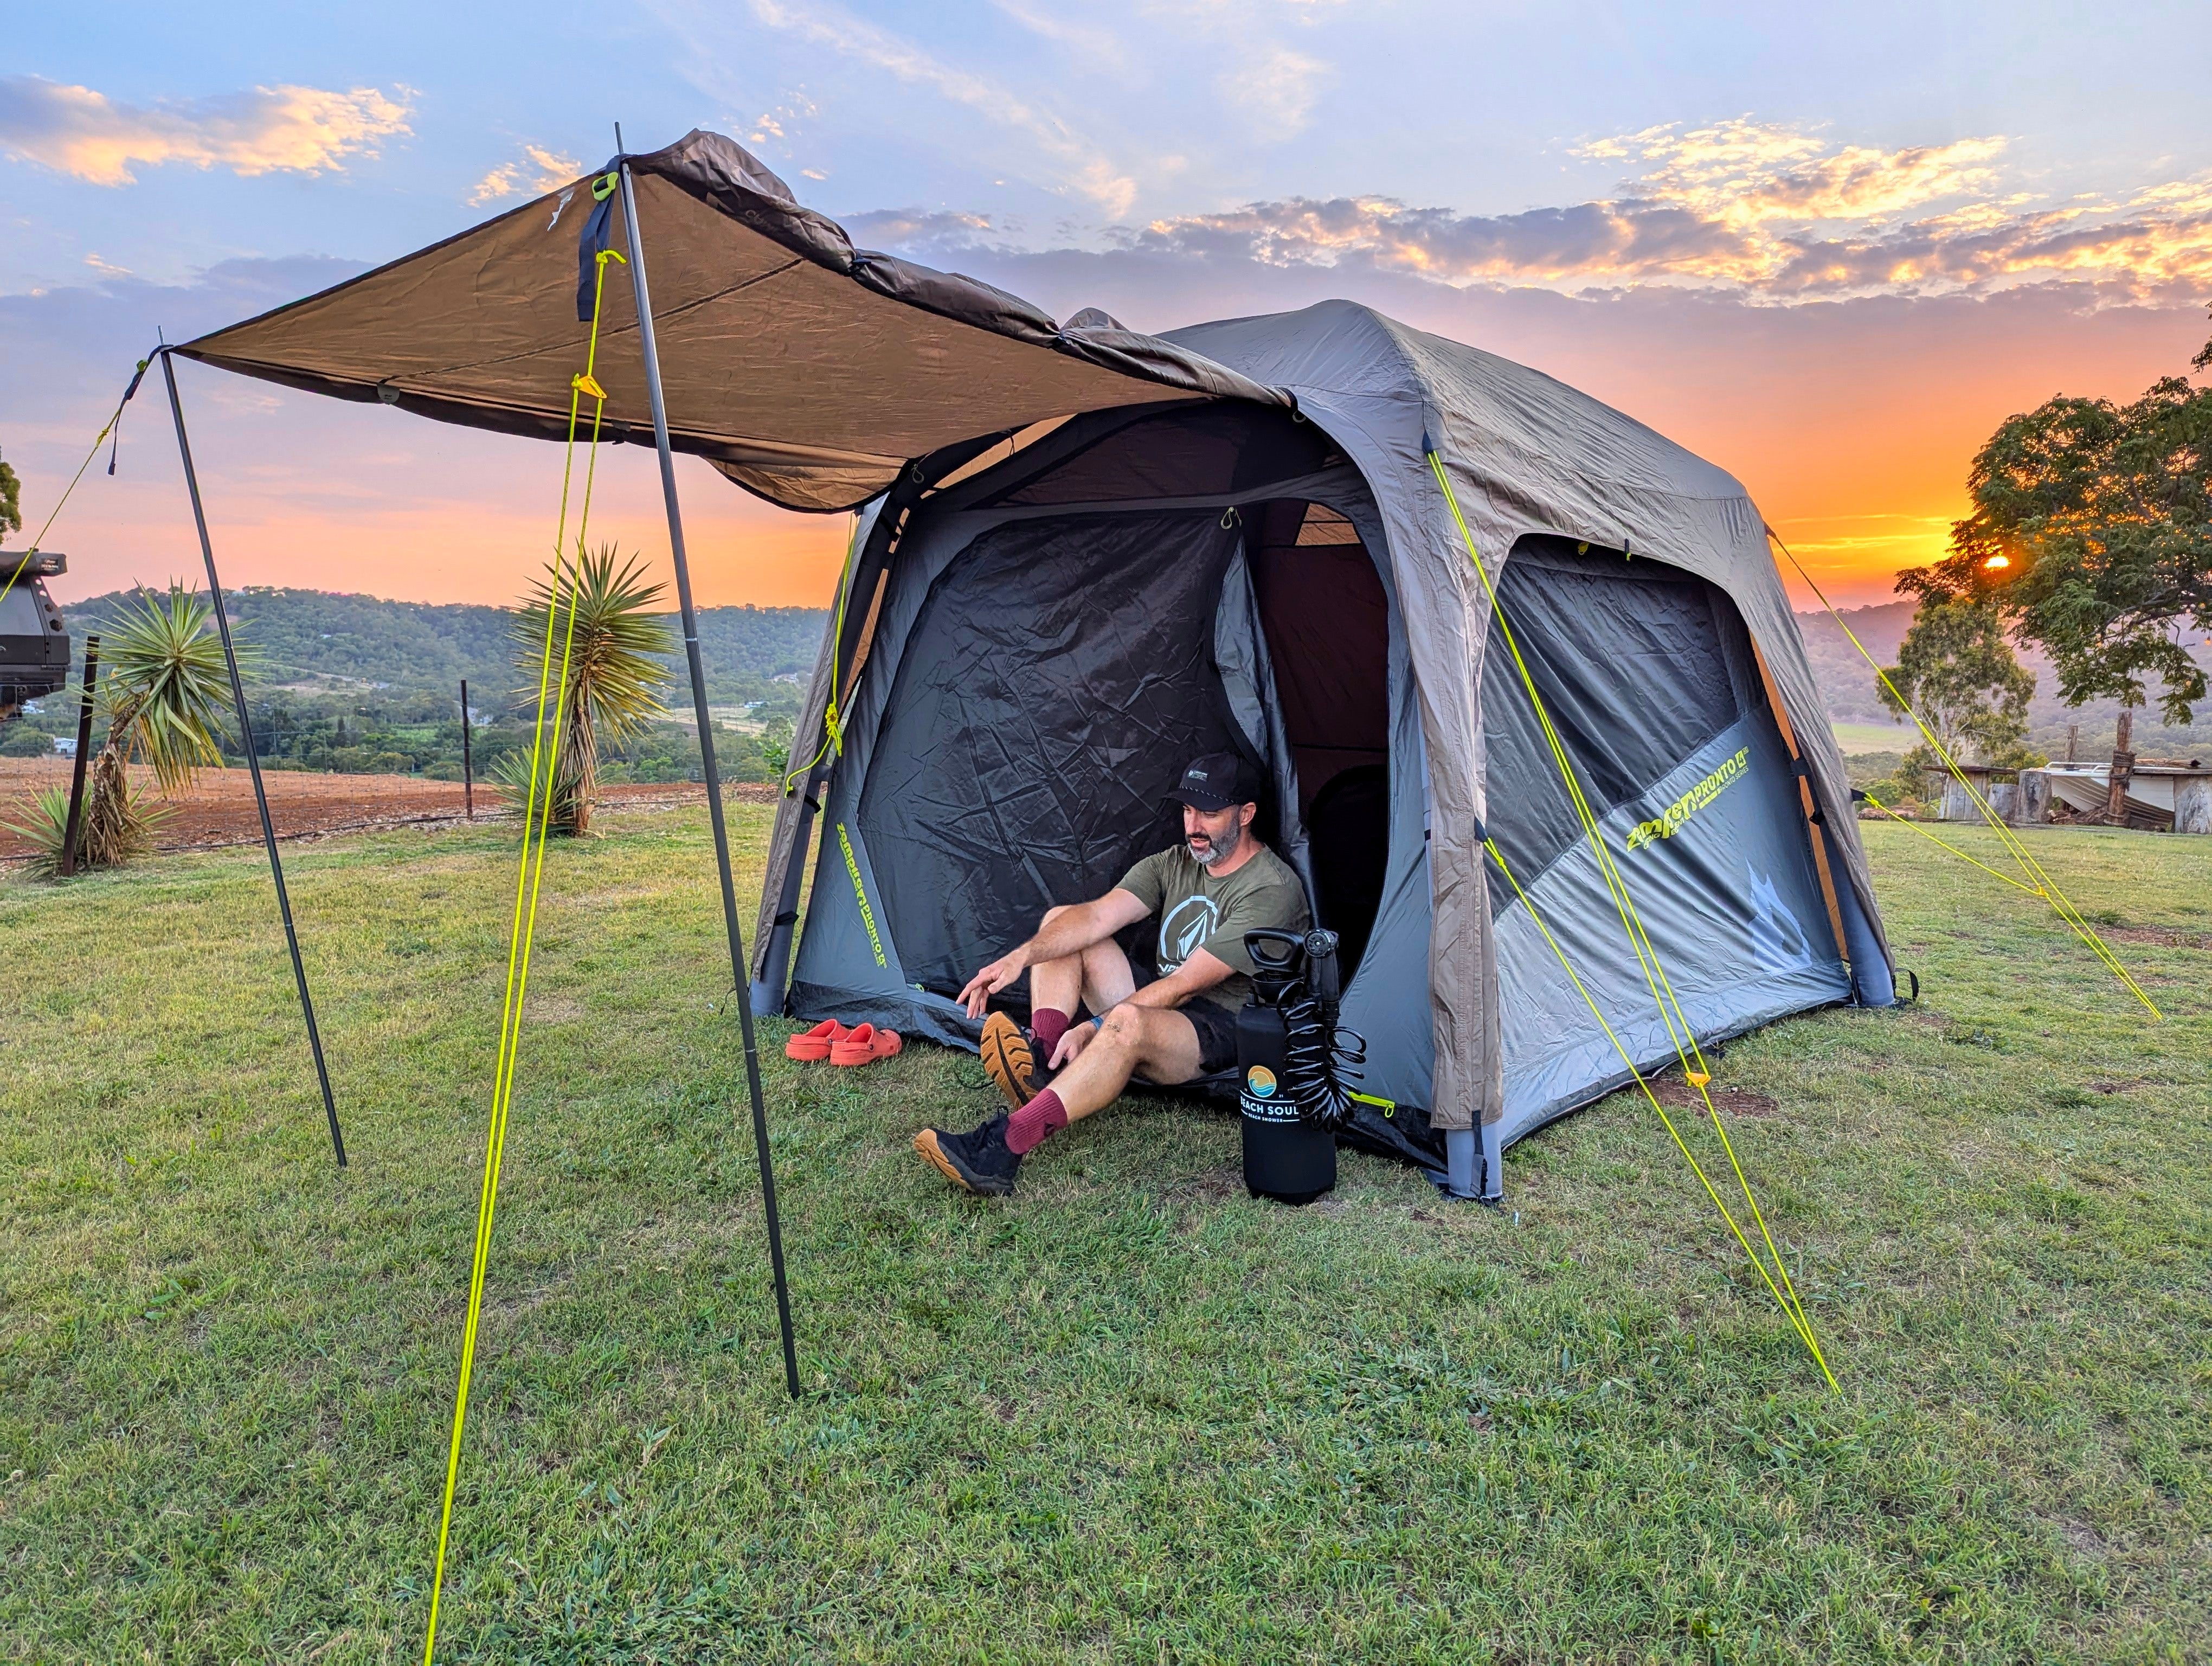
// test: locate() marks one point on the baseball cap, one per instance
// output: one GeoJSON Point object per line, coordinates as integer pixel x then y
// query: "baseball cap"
{"type": "Point", "coordinates": [1215, 781]}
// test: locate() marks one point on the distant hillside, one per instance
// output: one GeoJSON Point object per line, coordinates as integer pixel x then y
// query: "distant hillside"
{"type": "Point", "coordinates": [305, 635]}
{"type": "Point", "coordinates": [1847, 684]}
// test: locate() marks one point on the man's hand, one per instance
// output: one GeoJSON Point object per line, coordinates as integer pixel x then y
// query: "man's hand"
{"type": "Point", "coordinates": [992, 979]}
{"type": "Point", "coordinates": [1076, 1038]}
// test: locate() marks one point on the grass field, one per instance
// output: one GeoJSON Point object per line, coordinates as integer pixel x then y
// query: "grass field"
{"type": "Point", "coordinates": [1128, 1416]}
{"type": "Point", "coordinates": [1873, 737]}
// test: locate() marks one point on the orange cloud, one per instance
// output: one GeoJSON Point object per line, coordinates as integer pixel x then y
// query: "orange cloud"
{"type": "Point", "coordinates": [301, 130]}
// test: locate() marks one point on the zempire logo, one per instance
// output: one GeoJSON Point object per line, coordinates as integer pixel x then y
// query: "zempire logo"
{"type": "Point", "coordinates": [1669, 820]}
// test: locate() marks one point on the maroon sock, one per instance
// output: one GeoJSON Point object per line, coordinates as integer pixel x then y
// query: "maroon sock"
{"type": "Point", "coordinates": [1027, 1127]}
{"type": "Point", "coordinates": [1048, 1025]}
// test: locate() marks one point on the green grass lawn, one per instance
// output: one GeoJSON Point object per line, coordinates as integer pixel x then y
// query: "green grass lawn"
{"type": "Point", "coordinates": [1128, 1416]}
{"type": "Point", "coordinates": [1874, 737]}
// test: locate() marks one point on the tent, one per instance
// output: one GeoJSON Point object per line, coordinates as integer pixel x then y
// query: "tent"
{"type": "Point", "coordinates": [1086, 554]}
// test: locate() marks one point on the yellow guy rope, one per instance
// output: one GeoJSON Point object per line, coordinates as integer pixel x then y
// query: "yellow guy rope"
{"type": "Point", "coordinates": [1656, 981]}
{"type": "Point", "coordinates": [97, 440]}
{"type": "Point", "coordinates": [2045, 885]}
{"type": "Point", "coordinates": [1906, 821]}
{"type": "Point", "coordinates": [522, 930]}
{"type": "Point", "coordinates": [833, 733]}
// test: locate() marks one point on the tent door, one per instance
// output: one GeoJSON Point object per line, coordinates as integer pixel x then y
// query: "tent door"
{"type": "Point", "coordinates": [1328, 626]}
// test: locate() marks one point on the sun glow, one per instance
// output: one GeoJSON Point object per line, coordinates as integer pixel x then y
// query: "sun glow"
{"type": "Point", "coordinates": [1996, 562]}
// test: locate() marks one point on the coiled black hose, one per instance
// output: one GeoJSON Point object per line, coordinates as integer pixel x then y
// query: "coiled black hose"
{"type": "Point", "coordinates": [1317, 1063]}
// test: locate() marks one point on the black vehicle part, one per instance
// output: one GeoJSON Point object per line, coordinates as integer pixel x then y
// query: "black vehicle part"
{"type": "Point", "coordinates": [34, 644]}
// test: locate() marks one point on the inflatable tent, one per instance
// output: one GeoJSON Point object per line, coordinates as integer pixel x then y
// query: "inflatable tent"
{"type": "Point", "coordinates": [1086, 554]}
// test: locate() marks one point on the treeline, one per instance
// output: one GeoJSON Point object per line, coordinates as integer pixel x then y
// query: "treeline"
{"type": "Point", "coordinates": [361, 686]}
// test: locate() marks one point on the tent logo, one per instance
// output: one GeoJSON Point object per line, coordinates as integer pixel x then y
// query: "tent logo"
{"type": "Point", "coordinates": [1185, 930]}
{"type": "Point", "coordinates": [1669, 821]}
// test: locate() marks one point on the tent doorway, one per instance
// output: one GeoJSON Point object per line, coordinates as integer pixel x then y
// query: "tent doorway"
{"type": "Point", "coordinates": [1327, 622]}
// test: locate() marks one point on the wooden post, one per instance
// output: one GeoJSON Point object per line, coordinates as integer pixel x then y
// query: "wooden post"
{"type": "Point", "coordinates": [2073, 740]}
{"type": "Point", "coordinates": [75, 823]}
{"type": "Point", "coordinates": [2123, 767]}
{"type": "Point", "coordinates": [468, 759]}
{"type": "Point", "coordinates": [2033, 808]}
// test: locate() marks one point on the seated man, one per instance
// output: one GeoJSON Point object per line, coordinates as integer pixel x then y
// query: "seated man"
{"type": "Point", "coordinates": [1220, 883]}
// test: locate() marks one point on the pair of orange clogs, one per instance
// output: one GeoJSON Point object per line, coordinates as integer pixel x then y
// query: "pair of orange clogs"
{"type": "Point", "coordinates": [832, 1041]}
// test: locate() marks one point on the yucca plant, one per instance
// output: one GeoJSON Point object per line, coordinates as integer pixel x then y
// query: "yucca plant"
{"type": "Point", "coordinates": [162, 684]}
{"type": "Point", "coordinates": [615, 677]}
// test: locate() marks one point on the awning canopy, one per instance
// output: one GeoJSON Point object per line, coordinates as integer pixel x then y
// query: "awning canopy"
{"type": "Point", "coordinates": [806, 370]}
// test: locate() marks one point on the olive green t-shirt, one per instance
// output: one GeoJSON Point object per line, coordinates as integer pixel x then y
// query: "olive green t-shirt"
{"type": "Point", "coordinates": [1198, 911]}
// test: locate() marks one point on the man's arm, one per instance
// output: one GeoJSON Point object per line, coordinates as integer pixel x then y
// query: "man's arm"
{"type": "Point", "coordinates": [1070, 931]}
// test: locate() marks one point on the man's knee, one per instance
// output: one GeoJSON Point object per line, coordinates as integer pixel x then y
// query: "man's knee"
{"type": "Point", "coordinates": [1124, 1026]}
{"type": "Point", "coordinates": [1053, 914]}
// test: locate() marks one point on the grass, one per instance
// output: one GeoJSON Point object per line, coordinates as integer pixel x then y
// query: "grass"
{"type": "Point", "coordinates": [1873, 737]}
{"type": "Point", "coordinates": [1128, 1416]}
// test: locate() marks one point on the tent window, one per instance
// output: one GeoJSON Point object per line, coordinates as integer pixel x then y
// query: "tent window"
{"type": "Point", "coordinates": [1327, 625]}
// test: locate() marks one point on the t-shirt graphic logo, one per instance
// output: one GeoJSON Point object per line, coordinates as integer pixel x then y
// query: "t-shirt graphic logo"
{"type": "Point", "coordinates": [1187, 926]}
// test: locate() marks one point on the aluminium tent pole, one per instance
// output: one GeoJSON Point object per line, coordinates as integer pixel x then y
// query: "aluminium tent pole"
{"type": "Point", "coordinates": [743, 989]}
{"type": "Point", "coordinates": [253, 761]}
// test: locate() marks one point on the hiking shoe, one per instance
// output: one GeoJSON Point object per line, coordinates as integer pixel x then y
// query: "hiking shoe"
{"type": "Point", "coordinates": [979, 1161]}
{"type": "Point", "coordinates": [1011, 1059]}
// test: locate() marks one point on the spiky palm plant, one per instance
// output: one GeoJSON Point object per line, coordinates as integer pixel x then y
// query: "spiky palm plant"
{"type": "Point", "coordinates": [614, 679]}
{"type": "Point", "coordinates": [163, 684]}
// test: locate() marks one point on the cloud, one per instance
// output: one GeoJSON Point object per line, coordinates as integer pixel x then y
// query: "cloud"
{"type": "Point", "coordinates": [1275, 92]}
{"type": "Point", "coordinates": [538, 171]}
{"type": "Point", "coordinates": [943, 230]}
{"type": "Point", "coordinates": [1773, 213]}
{"type": "Point", "coordinates": [90, 137]}
{"type": "Point", "coordinates": [1083, 165]}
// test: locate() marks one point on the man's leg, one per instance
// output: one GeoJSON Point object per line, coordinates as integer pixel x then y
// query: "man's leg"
{"type": "Point", "coordinates": [1020, 1063]}
{"type": "Point", "coordinates": [1161, 1043]}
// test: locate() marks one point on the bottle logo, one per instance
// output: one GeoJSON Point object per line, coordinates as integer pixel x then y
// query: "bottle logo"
{"type": "Point", "coordinates": [1260, 1082]}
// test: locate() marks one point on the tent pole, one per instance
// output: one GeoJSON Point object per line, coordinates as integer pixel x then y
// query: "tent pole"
{"type": "Point", "coordinates": [738, 971]}
{"type": "Point", "coordinates": [253, 761]}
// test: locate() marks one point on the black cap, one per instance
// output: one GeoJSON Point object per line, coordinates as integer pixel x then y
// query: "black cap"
{"type": "Point", "coordinates": [1215, 781]}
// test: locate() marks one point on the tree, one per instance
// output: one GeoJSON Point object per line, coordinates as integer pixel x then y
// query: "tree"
{"type": "Point", "coordinates": [1956, 670]}
{"type": "Point", "coordinates": [2091, 535]}
{"type": "Point", "coordinates": [614, 677]}
{"type": "Point", "coordinates": [162, 684]}
{"type": "Point", "coordinates": [11, 502]}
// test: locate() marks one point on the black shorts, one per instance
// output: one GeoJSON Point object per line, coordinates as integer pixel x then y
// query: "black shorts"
{"type": "Point", "coordinates": [1217, 1035]}
{"type": "Point", "coordinates": [1216, 1025]}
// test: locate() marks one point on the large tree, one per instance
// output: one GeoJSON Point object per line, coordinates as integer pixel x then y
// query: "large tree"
{"type": "Point", "coordinates": [1955, 669]}
{"type": "Point", "coordinates": [2091, 535]}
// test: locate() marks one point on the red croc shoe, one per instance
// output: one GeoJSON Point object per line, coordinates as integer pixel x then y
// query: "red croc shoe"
{"type": "Point", "coordinates": [812, 1046]}
{"type": "Point", "coordinates": [865, 1045]}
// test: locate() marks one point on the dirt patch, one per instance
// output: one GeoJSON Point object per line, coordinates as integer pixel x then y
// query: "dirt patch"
{"type": "Point", "coordinates": [1676, 1094]}
{"type": "Point", "coordinates": [2159, 937]}
{"type": "Point", "coordinates": [219, 811]}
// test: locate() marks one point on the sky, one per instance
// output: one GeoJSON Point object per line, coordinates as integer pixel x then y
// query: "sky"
{"type": "Point", "coordinates": [1828, 248]}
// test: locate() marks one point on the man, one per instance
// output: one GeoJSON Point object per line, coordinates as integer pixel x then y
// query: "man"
{"type": "Point", "coordinates": [1220, 883]}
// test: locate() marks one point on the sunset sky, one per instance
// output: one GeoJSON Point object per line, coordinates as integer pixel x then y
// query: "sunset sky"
{"type": "Point", "coordinates": [1830, 252]}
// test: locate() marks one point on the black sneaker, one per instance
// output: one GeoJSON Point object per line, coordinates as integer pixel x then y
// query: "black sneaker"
{"type": "Point", "coordinates": [1012, 1058]}
{"type": "Point", "coordinates": [980, 1161]}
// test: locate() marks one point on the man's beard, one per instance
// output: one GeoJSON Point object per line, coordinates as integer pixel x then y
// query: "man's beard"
{"type": "Point", "coordinates": [1216, 851]}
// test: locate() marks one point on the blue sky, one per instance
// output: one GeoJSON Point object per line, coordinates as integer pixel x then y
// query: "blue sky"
{"type": "Point", "coordinates": [1829, 248]}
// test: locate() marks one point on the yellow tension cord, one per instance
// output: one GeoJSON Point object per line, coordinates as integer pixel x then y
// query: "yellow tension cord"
{"type": "Point", "coordinates": [97, 440]}
{"type": "Point", "coordinates": [537, 815]}
{"type": "Point", "coordinates": [1656, 983]}
{"type": "Point", "coordinates": [1906, 821]}
{"type": "Point", "coordinates": [2061, 904]}
{"type": "Point", "coordinates": [833, 733]}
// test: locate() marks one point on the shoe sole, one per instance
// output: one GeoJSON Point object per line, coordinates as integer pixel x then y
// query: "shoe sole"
{"type": "Point", "coordinates": [926, 1143]}
{"type": "Point", "coordinates": [1008, 1060]}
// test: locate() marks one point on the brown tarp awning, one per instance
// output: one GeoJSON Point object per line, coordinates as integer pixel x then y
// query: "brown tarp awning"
{"type": "Point", "coordinates": [803, 369]}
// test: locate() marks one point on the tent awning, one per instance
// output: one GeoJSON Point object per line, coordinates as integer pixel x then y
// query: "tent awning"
{"type": "Point", "coordinates": [806, 370]}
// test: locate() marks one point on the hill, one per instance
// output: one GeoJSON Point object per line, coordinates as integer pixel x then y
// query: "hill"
{"type": "Point", "coordinates": [308, 637]}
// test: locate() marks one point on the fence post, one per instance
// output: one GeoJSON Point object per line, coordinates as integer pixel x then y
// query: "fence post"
{"type": "Point", "coordinates": [75, 823]}
{"type": "Point", "coordinates": [468, 761]}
